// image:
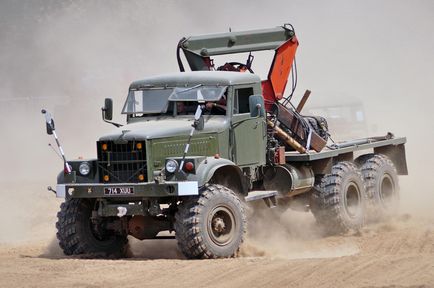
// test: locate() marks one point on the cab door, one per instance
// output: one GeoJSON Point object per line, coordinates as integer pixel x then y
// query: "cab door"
{"type": "Point", "coordinates": [248, 137]}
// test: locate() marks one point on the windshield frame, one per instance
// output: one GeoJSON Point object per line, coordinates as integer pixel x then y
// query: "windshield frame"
{"type": "Point", "coordinates": [172, 92]}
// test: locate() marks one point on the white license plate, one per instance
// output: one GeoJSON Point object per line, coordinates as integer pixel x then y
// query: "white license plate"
{"type": "Point", "coordinates": [118, 190]}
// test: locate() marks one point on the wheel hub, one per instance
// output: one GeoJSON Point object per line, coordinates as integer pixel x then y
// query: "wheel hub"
{"type": "Point", "coordinates": [387, 190]}
{"type": "Point", "coordinates": [352, 200]}
{"type": "Point", "coordinates": [221, 225]}
{"type": "Point", "coordinates": [218, 224]}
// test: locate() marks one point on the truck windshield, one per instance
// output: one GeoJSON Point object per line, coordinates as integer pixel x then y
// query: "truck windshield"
{"type": "Point", "coordinates": [148, 101]}
{"type": "Point", "coordinates": [157, 100]}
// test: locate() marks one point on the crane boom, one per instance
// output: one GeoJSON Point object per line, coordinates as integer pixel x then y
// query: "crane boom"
{"type": "Point", "coordinates": [199, 49]}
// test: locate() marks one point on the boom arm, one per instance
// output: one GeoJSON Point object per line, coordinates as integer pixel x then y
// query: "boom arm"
{"type": "Point", "coordinates": [282, 39]}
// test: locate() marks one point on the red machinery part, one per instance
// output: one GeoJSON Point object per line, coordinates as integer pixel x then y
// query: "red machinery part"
{"type": "Point", "coordinates": [274, 87]}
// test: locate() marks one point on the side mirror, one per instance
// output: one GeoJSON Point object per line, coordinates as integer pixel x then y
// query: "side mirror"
{"type": "Point", "coordinates": [49, 121]}
{"type": "Point", "coordinates": [108, 109]}
{"type": "Point", "coordinates": [50, 127]}
{"type": "Point", "coordinates": [107, 112]}
{"type": "Point", "coordinates": [256, 105]}
{"type": "Point", "coordinates": [199, 124]}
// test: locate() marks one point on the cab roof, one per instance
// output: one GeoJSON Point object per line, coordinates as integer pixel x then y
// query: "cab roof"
{"type": "Point", "coordinates": [223, 78]}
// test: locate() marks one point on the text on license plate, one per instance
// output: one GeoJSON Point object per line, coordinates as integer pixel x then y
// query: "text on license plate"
{"type": "Point", "coordinates": [118, 190]}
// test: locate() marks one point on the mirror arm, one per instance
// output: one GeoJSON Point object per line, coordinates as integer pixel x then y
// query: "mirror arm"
{"type": "Point", "coordinates": [107, 121]}
{"type": "Point", "coordinates": [258, 106]}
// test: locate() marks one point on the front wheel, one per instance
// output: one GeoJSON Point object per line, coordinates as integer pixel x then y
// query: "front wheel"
{"type": "Point", "coordinates": [211, 225]}
{"type": "Point", "coordinates": [79, 235]}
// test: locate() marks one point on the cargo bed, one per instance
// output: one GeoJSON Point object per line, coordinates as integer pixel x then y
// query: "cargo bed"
{"type": "Point", "coordinates": [343, 148]}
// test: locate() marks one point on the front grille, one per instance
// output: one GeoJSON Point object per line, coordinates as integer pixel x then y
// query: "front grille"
{"type": "Point", "coordinates": [122, 163]}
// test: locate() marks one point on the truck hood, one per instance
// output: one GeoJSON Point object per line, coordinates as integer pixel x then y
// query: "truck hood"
{"type": "Point", "coordinates": [166, 127]}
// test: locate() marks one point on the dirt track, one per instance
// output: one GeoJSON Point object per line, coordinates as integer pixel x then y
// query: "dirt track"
{"type": "Point", "coordinates": [392, 254]}
{"type": "Point", "coordinates": [387, 256]}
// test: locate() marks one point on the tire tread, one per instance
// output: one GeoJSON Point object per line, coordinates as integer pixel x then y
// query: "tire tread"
{"type": "Point", "coordinates": [188, 218]}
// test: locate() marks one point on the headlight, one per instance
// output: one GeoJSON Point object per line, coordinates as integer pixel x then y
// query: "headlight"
{"type": "Point", "coordinates": [84, 168]}
{"type": "Point", "coordinates": [171, 166]}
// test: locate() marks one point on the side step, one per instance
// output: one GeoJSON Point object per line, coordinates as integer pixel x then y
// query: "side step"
{"type": "Point", "coordinates": [269, 197]}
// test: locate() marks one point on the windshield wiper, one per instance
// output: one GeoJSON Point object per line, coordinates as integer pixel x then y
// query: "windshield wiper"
{"type": "Point", "coordinates": [191, 88]}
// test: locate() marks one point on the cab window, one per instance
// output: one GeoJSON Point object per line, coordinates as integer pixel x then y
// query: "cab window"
{"type": "Point", "coordinates": [241, 101]}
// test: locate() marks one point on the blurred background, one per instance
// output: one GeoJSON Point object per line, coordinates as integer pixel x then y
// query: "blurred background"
{"type": "Point", "coordinates": [369, 65]}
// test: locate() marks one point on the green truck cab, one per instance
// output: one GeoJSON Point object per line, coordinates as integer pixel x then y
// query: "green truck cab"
{"type": "Point", "coordinates": [197, 146]}
{"type": "Point", "coordinates": [158, 131]}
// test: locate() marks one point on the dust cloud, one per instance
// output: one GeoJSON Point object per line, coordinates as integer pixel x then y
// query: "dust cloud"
{"type": "Point", "coordinates": [68, 56]}
{"type": "Point", "coordinates": [289, 234]}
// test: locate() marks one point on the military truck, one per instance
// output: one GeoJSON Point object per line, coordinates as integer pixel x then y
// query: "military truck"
{"type": "Point", "coordinates": [197, 146]}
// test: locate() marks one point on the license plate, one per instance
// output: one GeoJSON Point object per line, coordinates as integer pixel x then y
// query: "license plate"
{"type": "Point", "coordinates": [118, 191]}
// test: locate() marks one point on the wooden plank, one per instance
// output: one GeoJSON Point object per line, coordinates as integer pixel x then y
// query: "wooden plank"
{"type": "Point", "coordinates": [289, 119]}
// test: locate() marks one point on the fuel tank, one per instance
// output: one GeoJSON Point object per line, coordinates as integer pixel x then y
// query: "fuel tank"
{"type": "Point", "coordinates": [289, 180]}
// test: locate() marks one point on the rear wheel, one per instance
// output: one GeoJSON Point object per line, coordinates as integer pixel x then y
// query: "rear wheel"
{"type": "Point", "coordinates": [79, 235]}
{"type": "Point", "coordinates": [211, 225]}
{"type": "Point", "coordinates": [338, 200]}
{"type": "Point", "coordinates": [382, 186]}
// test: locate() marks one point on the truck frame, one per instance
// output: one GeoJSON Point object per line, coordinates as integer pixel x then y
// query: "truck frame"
{"type": "Point", "coordinates": [198, 146]}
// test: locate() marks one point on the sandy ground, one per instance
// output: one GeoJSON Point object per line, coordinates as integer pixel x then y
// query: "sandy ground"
{"type": "Point", "coordinates": [292, 253]}
{"type": "Point", "coordinates": [398, 254]}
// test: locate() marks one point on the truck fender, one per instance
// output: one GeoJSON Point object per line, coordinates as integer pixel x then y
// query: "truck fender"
{"type": "Point", "coordinates": [212, 167]}
{"type": "Point", "coordinates": [61, 178]}
{"type": "Point", "coordinates": [75, 177]}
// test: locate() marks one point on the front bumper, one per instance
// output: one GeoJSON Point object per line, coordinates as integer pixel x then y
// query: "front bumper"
{"type": "Point", "coordinates": [140, 190]}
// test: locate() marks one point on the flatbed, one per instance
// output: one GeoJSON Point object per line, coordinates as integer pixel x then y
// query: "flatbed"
{"type": "Point", "coordinates": [294, 156]}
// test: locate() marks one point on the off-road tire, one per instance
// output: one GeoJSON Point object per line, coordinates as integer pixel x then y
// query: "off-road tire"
{"type": "Point", "coordinates": [319, 125]}
{"type": "Point", "coordinates": [338, 200]}
{"type": "Point", "coordinates": [76, 237]}
{"type": "Point", "coordinates": [195, 229]}
{"type": "Point", "coordinates": [382, 186]}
